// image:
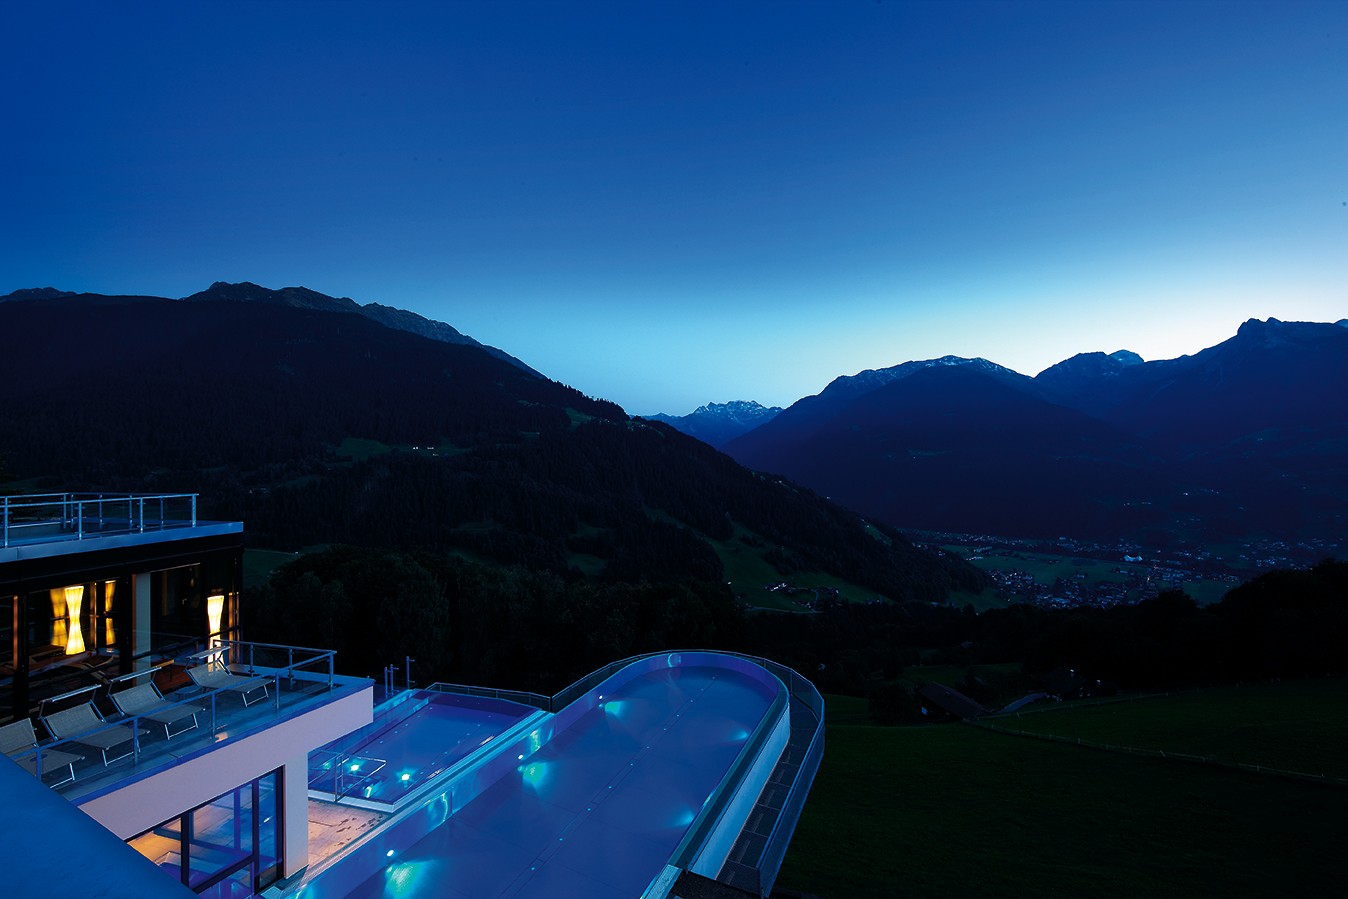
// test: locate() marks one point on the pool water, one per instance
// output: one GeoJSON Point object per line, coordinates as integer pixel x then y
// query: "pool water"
{"type": "Point", "coordinates": [599, 809]}
{"type": "Point", "coordinates": [414, 744]}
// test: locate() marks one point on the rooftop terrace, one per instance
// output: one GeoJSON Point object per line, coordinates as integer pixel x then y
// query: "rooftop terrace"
{"type": "Point", "coordinates": [286, 680]}
{"type": "Point", "coordinates": [66, 522]}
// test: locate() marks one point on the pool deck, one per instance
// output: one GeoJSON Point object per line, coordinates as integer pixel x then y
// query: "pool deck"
{"type": "Point", "coordinates": [333, 827]}
{"type": "Point", "coordinates": [598, 810]}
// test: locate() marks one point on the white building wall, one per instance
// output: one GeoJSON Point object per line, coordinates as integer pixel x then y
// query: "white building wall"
{"type": "Point", "coordinates": [142, 804]}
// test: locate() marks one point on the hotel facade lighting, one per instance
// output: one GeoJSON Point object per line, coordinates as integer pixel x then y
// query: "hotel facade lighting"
{"type": "Point", "coordinates": [74, 633]}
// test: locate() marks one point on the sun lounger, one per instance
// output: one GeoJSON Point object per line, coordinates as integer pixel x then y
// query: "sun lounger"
{"type": "Point", "coordinates": [146, 701]}
{"type": "Point", "coordinates": [18, 739]}
{"type": "Point", "coordinates": [223, 679]}
{"type": "Point", "coordinates": [84, 725]}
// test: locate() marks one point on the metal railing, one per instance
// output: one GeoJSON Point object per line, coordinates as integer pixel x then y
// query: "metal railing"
{"type": "Point", "coordinates": [43, 517]}
{"type": "Point", "coordinates": [273, 656]}
{"type": "Point", "coordinates": [280, 663]}
{"type": "Point", "coordinates": [80, 744]}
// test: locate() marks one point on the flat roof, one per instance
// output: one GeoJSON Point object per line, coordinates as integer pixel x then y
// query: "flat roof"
{"type": "Point", "coordinates": [43, 548]}
{"type": "Point", "coordinates": [55, 524]}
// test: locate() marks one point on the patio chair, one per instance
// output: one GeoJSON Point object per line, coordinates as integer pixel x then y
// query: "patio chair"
{"type": "Point", "coordinates": [146, 701]}
{"type": "Point", "coordinates": [211, 678]}
{"type": "Point", "coordinates": [19, 739]}
{"type": "Point", "coordinates": [84, 724]}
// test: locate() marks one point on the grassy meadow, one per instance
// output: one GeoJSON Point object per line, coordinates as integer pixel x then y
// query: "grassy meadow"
{"type": "Point", "coordinates": [1296, 726]}
{"type": "Point", "coordinates": [953, 810]}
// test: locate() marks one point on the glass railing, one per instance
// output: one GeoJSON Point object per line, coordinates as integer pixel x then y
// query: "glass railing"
{"type": "Point", "coordinates": [769, 860]}
{"type": "Point", "coordinates": [796, 686]}
{"type": "Point", "coordinates": [799, 688]}
{"type": "Point", "coordinates": [536, 700]}
{"type": "Point", "coordinates": [330, 765]}
{"type": "Point", "coordinates": [45, 517]}
{"type": "Point", "coordinates": [342, 774]}
{"type": "Point", "coordinates": [725, 791]}
{"type": "Point", "coordinates": [774, 851]}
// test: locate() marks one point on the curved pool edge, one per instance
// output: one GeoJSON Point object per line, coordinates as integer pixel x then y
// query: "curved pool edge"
{"type": "Point", "coordinates": [706, 843]}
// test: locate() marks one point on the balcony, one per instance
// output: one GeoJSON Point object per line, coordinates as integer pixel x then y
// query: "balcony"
{"type": "Point", "coordinates": [52, 517]}
{"type": "Point", "coordinates": [286, 682]}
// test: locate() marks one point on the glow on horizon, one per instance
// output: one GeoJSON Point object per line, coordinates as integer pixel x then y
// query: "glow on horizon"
{"type": "Point", "coordinates": [776, 362]}
{"type": "Point", "coordinates": [669, 204]}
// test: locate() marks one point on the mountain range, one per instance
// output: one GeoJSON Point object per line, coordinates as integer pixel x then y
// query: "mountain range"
{"type": "Point", "coordinates": [319, 426]}
{"type": "Point", "coordinates": [719, 423]}
{"type": "Point", "coordinates": [1246, 438]}
{"type": "Point", "coordinates": [278, 395]}
{"type": "Point", "coordinates": [298, 298]}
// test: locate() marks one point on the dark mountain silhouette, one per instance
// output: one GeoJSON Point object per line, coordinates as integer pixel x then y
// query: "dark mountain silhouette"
{"type": "Point", "coordinates": [318, 426]}
{"type": "Point", "coordinates": [804, 417]}
{"type": "Point", "coordinates": [1249, 437]}
{"type": "Point", "coordinates": [1088, 378]}
{"type": "Point", "coordinates": [719, 423]}
{"type": "Point", "coordinates": [1270, 375]}
{"type": "Point", "coordinates": [932, 448]}
{"type": "Point", "coordinates": [304, 298]}
{"type": "Point", "coordinates": [36, 293]}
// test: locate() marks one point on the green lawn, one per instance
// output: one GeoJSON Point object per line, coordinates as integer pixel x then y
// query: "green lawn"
{"type": "Point", "coordinates": [1004, 679]}
{"type": "Point", "coordinates": [1293, 725]}
{"type": "Point", "coordinates": [951, 810]}
{"type": "Point", "coordinates": [748, 572]}
{"type": "Point", "coordinates": [258, 564]}
{"type": "Point", "coordinates": [987, 599]}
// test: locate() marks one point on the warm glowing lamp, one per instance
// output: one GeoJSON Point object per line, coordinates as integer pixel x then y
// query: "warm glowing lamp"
{"type": "Point", "coordinates": [74, 636]}
{"type": "Point", "coordinates": [109, 629]}
{"type": "Point", "coordinates": [215, 609]}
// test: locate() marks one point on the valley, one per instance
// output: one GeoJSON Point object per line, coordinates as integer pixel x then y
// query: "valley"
{"type": "Point", "coordinates": [1067, 572]}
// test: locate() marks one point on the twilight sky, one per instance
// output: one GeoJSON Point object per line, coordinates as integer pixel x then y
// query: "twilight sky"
{"type": "Point", "coordinates": [666, 204]}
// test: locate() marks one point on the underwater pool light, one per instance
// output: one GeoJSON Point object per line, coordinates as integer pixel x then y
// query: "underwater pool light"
{"type": "Point", "coordinates": [534, 774]}
{"type": "Point", "coordinates": [406, 777]}
{"type": "Point", "coordinates": [355, 768]}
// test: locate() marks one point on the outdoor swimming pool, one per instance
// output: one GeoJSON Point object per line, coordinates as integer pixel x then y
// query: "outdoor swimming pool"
{"type": "Point", "coordinates": [409, 743]}
{"type": "Point", "coordinates": [591, 802]}
{"type": "Point", "coordinates": [599, 809]}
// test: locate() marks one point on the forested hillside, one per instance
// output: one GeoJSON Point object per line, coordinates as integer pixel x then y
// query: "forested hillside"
{"type": "Point", "coordinates": [320, 427]}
